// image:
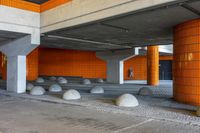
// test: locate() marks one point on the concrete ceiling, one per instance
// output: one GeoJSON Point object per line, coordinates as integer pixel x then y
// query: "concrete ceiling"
{"type": "Point", "coordinates": [152, 26]}
{"type": "Point", "coordinates": [37, 1]}
{"type": "Point", "coordinates": [6, 36]}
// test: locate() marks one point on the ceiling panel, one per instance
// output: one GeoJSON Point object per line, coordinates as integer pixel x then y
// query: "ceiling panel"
{"type": "Point", "coordinates": [139, 29]}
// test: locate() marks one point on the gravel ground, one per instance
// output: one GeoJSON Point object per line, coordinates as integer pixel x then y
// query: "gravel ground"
{"type": "Point", "coordinates": [25, 115]}
{"type": "Point", "coordinates": [156, 113]}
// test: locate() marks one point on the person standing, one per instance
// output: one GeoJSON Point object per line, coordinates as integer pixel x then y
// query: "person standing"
{"type": "Point", "coordinates": [130, 73]}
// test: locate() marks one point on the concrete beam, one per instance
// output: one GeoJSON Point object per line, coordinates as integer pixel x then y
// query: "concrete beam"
{"type": "Point", "coordinates": [80, 11]}
{"type": "Point", "coordinates": [120, 55]}
{"type": "Point", "coordinates": [20, 21]}
{"type": "Point", "coordinates": [21, 46]}
{"type": "Point", "coordinates": [168, 49]}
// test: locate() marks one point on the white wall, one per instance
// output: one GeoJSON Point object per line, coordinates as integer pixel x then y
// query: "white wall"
{"type": "Point", "coordinates": [18, 20]}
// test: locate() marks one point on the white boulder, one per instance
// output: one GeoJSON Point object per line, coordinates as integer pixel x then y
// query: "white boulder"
{"type": "Point", "coordinates": [40, 80]}
{"type": "Point", "coordinates": [97, 90]}
{"type": "Point", "coordinates": [99, 80]}
{"type": "Point", "coordinates": [55, 88]}
{"type": "Point", "coordinates": [86, 81]}
{"type": "Point", "coordinates": [37, 90]}
{"type": "Point", "coordinates": [29, 86]}
{"type": "Point", "coordinates": [127, 100]}
{"type": "Point", "coordinates": [145, 91]}
{"type": "Point", "coordinates": [59, 78]}
{"type": "Point", "coordinates": [71, 95]}
{"type": "Point", "coordinates": [52, 78]}
{"type": "Point", "coordinates": [62, 80]}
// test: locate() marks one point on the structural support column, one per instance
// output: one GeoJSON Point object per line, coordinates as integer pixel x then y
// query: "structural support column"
{"type": "Point", "coordinates": [16, 79]}
{"type": "Point", "coordinates": [186, 63]}
{"type": "Point", "coordinates": [16, 52]}
{"type": "Point", "coordinates": [153, 65]}
{"type": "Point", "coordinates": [115, 71]}
{"type": "Point", "coordinates": [115, 63]}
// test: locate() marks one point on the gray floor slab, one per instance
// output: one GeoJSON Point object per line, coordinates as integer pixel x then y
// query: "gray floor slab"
{"type": "Point", "coordinates": [28, 116]}
{"type": "Point", "coordinates": [156, 126]}
{"type": "Point", "coordinates": [18, 115]}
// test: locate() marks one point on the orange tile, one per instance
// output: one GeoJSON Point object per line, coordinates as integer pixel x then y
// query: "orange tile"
{"type": "Point", "coordinates": [186, 71]}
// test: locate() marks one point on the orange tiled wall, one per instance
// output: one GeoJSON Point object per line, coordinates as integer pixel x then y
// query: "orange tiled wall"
{"type": "Point", "coordinates": [139, 65]}
{"type": "Point", "coordinates": [3, 66]}
{"type": "Point", "coordinates": [77, 63]}
{"type": "Point", "coordinates": [59, 62]}
{"type": "Point", "coordinates": [70, 63]}
{"type": "Point", "coordinates": [31, 65]}
{"type": "Point", "coordinates": [186, 64]}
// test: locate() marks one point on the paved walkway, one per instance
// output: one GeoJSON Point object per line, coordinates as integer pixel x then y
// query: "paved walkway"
{"type": "Point", "coordinates": [18, 115]}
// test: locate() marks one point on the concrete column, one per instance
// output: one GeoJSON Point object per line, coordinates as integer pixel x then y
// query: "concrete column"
{"type": "Point", "coordinates": [152, 65]}
{"type": "Point", "coordinates": [16, 52]}
{"type": "Point", "coordinates": [115, 71]}
{"type": "Point", "coordinates": [115, 63]}
{"type": "Point", "coordinates": [16, 71]}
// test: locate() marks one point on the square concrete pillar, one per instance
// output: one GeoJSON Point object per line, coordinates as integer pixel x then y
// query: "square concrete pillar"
{"type": "Point", "coordinates": [115, 71]}
{"type": "Point", "coordinates": [16, 52]}
{"type": "Point", "coordinates": [16, 74]}
{"type": "Point", "coordinates": [115, 63]}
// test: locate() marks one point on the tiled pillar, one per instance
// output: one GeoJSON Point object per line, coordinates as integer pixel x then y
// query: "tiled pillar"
{"type": "Point", "coordinates": [186, 64]}
{"type": "Point", "coordinates": [153, 65]}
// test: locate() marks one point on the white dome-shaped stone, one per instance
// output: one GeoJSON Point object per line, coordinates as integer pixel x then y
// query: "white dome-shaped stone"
{"type": "Point", "coordinates": [97, 90]}
{"type": "Point", "coordinates": [71, 95]}
{"type": "Point", "coordinates": [59, 78]}
{"type": "Point", "coordinates": [99, 80]}
{"type": "Point", "coordinates": [29, 86]}
{"type": "Point", "coordinates": [145, 91]}
{"type": "Point", "coordinates": [62, 80]}
{"type": "Point", "coordinates": [55, 88]}
{"type": "Point", "coordinates": [52, 78]}
{"type": "Point", "coordinates": [86, 81]}
{"type": "Point", "coordinates": [127, 100]}
{"type": "Point", "coordinates": [37, 90]}
{"type": "Point", "coordinates": [40, 80]}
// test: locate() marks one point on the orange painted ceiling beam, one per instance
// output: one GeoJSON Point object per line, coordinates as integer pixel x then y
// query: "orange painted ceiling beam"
{"type": "Point", "coordinates": [21, 4]}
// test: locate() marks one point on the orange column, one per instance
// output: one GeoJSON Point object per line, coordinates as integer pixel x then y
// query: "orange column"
{"type": "Point", "coordinates": [186, 64]}
{"type": "Point", "coordinates": [152, 65]}
{"type": "Point", "coordinates": [4, 66]}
